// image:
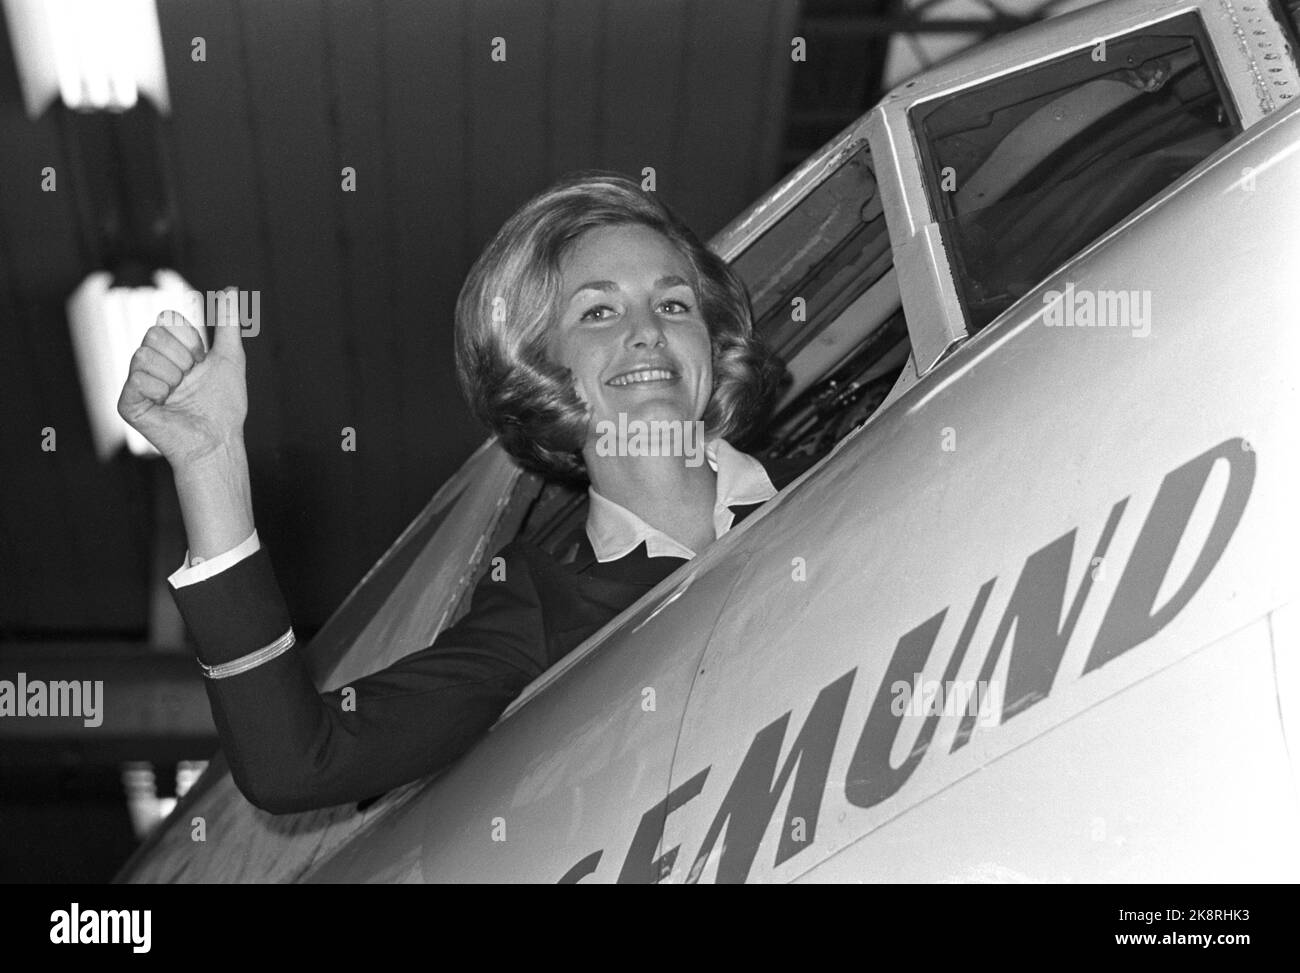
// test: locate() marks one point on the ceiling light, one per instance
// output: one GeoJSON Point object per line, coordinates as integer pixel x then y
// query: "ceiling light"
{"type": "Point", "coordinates": [108, 324]}
{"type": "Point", "coordinates": [99, 55]}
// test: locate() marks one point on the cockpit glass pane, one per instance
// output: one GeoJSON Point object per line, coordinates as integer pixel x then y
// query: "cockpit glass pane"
{"type": "Point", "coordinates": [1025, 171]}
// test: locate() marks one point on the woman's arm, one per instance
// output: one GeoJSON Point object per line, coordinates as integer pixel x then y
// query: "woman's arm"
{"type": "Point", "coordinates": [216, 500]}
{"type": "Point", "coordinates": [291, 748]}
{"type": "Point", "coordinates": [190, 402]}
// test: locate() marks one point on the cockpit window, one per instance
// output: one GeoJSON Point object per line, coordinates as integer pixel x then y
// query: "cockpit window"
{"type": "Point", "coordinates": [820, 280]}
{"type": "Point", "coordinates": [1024, 172]}
{"type": "Point", "coordinates": [819, 258]}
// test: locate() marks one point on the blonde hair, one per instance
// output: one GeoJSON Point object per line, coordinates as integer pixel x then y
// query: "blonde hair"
{"type": "Point", "coordinates": [509, 302]}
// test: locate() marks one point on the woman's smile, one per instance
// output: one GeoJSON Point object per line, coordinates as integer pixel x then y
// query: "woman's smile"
{"type": "Point", "coordinates": [645, 375]}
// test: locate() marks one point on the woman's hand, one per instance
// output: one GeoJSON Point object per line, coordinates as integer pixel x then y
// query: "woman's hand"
{"type": "Point", "coordinates": [188, 402]}
{"type": "Point", "coordinates": [191, 405]}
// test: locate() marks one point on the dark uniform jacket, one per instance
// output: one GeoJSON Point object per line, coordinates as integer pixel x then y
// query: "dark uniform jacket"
{"type": "Point", "coordinates": [292, 748]}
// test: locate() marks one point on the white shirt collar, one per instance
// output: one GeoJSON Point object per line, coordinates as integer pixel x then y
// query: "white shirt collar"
{"type": "Point", "coordinates": [614, 531]}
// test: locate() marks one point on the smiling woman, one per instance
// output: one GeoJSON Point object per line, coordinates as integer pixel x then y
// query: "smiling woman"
{"type": "Point", "coordinates": [593, 305]}
{"type": "Point", "coordinates": [578, 259]}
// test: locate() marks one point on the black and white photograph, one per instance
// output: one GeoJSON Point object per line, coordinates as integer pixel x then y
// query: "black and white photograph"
{"type": "Point", "coordinates": [538, 442]}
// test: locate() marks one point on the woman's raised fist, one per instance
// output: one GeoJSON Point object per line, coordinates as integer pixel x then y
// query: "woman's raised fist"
{"type": "Point", "coordinates": [184, 399]}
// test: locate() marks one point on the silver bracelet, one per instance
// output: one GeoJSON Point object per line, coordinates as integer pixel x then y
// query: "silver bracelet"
{"type": "Point", "coordinates": [251, 661]}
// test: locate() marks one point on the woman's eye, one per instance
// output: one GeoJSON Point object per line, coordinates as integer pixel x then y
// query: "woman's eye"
{"type": "Point", "coordinates": [676, 307]}
{"type": "Point", "coordinates": [598, 313]}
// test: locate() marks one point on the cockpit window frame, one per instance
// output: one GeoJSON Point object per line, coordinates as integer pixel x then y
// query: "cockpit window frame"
{"type": "Point", "coordinates": [1073, 73]}
{"type": "Point", "coordinates": [1246, 45]}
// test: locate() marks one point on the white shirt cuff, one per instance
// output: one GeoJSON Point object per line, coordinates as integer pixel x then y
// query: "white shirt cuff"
{"type": "Point", "coordinates": [192, 573]}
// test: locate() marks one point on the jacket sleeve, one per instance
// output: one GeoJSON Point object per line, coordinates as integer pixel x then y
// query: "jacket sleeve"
{"type": "Point", "coordinates": [292, 748]}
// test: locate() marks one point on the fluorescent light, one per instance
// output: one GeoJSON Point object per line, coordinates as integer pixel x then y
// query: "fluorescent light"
{"type": "Point", "coordinates": [108, 323]}
{"type": "Point", "coordinates": [146, 809]}
{"type": "Point", "coordinates": [96, 54]}
{"type": "Point", "coordinates": [187, 774]}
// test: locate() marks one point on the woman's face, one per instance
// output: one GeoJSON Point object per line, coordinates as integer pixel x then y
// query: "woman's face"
{"type": "Point", "coordinates": [630, 328]}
